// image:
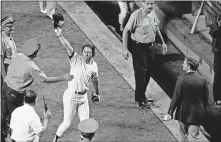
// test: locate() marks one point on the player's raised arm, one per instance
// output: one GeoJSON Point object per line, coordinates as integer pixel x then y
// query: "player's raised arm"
{"type": "Point", "coordinates": [65, 43]}
{"type": "Point", "coordinates": [58, 24]}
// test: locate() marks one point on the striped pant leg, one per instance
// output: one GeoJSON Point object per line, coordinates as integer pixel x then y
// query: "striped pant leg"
{"type": "Point", "coordinates": [69, 111]}
{"type": "Point", "coordinates": [83, 109]}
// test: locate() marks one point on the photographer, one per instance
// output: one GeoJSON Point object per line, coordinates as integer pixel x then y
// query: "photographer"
{"type": "Point", "coordinates": [215, 32]}
{"type": "Point", "coordinates": [25, 123]}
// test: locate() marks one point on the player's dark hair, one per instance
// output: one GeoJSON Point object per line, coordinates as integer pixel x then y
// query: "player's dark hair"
{"type": "Point", "coordinates": [92, 47]}
{"type": "Point", "coordinates": [194, 64]}
{"type": "Point", "coordinates": [30, 96]}
{"type": "Point", "coordinates": [88, 135]}
{"type": "Point", "coordinates": [33, 55]}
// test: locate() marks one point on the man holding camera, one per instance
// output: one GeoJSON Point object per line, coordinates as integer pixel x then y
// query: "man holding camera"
{"type": "Point", "coordinates": [25, 123]}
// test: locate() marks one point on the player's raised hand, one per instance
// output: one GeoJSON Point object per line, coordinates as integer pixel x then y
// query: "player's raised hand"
{"type": "Point", "coordinates": [68, 77]}
{"type": "Point", "coordinates": [58, 32]}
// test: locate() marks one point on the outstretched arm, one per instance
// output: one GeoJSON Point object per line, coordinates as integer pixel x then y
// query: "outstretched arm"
{"type": "Point", "coordinates": [65, 43]}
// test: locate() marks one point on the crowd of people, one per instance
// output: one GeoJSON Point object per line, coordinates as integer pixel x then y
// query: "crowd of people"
{"type": "Point", "coordinates": [139, 29]}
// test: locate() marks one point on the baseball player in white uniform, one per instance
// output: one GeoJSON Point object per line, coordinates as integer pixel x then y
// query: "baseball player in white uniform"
{"type": "Point", "coordinates": [84, 69]}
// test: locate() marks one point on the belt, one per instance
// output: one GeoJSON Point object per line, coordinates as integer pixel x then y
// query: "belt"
{"type": "Point", "coordinates": [147, 44]}
{"type": "Point", "coordinates": [80, 93]}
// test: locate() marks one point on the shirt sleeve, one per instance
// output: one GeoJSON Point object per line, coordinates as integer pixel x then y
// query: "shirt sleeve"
{"type": "Point", "coordinates": [94, 74]}
{"type": "Point", "coordinates": [38, 75]}
{"type": "Point", "coordinates": [2, 48]}
{"type": "Point", "coordinates": [35, 124]}
{"type": "Point", "coordinates": [132, 23]}
{"type": "Point", "coordinates": [156, 21]}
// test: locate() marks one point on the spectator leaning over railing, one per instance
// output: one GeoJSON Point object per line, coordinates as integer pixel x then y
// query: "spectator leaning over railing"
{"type": "Point", "coordinates": [190, 99]}
{"type": "Point", "coordinates": [215, 32]}
{"type": "Point", "coordinates": [25, 123]}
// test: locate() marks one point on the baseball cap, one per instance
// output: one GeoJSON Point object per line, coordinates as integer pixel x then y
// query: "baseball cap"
{"type": "Point", "coordinates": [30, 46]}
{"type": "Point", "coordinates": [88, 125]}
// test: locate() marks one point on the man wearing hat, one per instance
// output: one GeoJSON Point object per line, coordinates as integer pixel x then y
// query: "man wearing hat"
{"type": "Point", "coordinates": [8, 47]}
{"type": "Point", "coordinates": [21, 73]}
{"type": "Point", "coordinates": [8, 50]}
{"type": "Point", "coordinates": [88, 127]}
{"type": "Point", "coordinates": [190, 99]}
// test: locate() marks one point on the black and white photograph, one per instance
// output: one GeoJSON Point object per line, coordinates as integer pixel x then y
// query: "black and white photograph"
{"type": "Point", "coordinates": [110, 71]}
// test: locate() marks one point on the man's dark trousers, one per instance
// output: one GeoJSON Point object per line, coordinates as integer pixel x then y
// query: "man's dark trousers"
{"type": "Point", "coordinates": [217, 76]}
{"type": "Point", "coordinates": [142, 61]}
{"type": "Point", "coordinates": [11, 99]}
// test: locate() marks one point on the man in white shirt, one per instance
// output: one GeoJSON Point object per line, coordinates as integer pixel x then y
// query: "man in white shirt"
{"type": "Point", "coordinates": [25, 123]}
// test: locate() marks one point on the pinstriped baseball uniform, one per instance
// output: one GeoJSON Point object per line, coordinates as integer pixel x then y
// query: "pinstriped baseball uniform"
{"type": "Point", "coordinates": [73, 101]}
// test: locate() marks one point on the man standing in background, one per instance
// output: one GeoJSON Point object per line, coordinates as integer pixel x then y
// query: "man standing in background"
{"type": "Point", "coordinates": [190, 99]}
{"type": "Point", "coordinates": [142, 26]}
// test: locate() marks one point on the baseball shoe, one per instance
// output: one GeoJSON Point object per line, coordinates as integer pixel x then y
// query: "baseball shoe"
{"type": "Point", "coordinates": [50, 16]}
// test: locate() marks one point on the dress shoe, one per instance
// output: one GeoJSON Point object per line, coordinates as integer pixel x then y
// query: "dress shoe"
{"type": "Point", "coordinates": [143, 105]}
{"type": "Point", "coordinates": [218, 103]}
{"type": "Point", "coordinates": [148, 100]}
{"type": "Point", "coordinates": [44, 11]}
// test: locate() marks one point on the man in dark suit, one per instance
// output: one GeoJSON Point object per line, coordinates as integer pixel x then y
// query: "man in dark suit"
{"type": "Point", "coordinates": [189, 99]}
{"type": "Point", "coordinates": [215, 32]}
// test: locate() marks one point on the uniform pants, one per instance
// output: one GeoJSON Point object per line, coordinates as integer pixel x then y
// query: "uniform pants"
{"type": "Point", "coordinates": [188, 132]}
{"type": "Point", "coordinates": [4, 113]}
{"type": "Point", "coordinates": [217, 76]}
{"type": "Point", "coordinates": [73, 102]}
{"type": "Point", "coordinates": [142, 61]}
